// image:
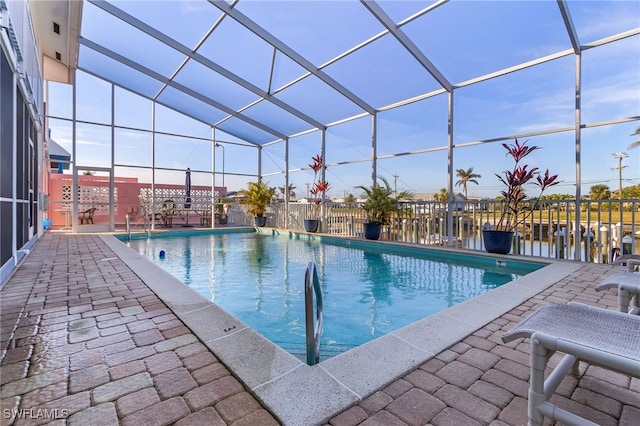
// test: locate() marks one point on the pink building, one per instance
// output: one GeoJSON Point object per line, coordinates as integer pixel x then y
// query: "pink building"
{"type": "Point", "coordinates": [129, 197]}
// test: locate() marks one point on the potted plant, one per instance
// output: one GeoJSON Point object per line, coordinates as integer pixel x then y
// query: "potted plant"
{"type": "Point", "coordinates": [318, 190]}
{"type": "Point", "coordinates": [257, 195]}
{"type": "Point", "coordinates": [379, 206]}
{"type": "Point", "coordinates": [515, 208]}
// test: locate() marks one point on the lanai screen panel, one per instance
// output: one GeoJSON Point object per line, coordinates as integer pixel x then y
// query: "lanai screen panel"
{"type": "Point", "coordinates": [260, 72]}
{"type": "Point", "coordinates": [284, 67]}
{"type": "Point", "coordinates": [466, 40]}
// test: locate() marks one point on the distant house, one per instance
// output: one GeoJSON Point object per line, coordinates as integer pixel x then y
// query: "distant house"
{"type": "Point", "coordinates": [459, 202]}
{"type": "Point", "coordinates": [59, 157]}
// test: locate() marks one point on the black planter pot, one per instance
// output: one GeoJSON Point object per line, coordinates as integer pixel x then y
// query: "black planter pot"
{"type": "Point", "coordinates": [260, 221]}
{"type": "Point", "coordinates": [498, 242]}
{"type": "Point", "coordinates": [311, 225]}
{"type": "Point", "coordinates": [372, 231]}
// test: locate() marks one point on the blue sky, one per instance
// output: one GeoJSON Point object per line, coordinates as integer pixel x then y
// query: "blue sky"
{"type": "Point", "coordinates": [462, 39]}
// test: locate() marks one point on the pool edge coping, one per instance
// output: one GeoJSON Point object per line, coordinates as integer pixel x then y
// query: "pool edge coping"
{"type": "Point", "coordinates": [298, 394]}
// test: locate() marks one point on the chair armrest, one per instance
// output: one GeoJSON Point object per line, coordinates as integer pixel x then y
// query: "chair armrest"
{"type": "Point", "coordinates": [615, 280]}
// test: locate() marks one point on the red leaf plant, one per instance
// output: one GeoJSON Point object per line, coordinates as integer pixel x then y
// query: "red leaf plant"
{"type": "Point", "coordinates": [516, 207]}
{"type": "Point", "coordinates": [319, 188]}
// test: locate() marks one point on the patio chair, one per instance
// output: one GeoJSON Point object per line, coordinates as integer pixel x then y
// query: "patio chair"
{"type": "Point", "coordinates": [628, 285]}
{"type": "Point", "coordinates": [168, 212]}
{"type": "Point", "coordinates": [632, 260]}
{"type": "Point", "coordinates": [86, 216]}
{"type": "Point", "coordinates": [598, 336]}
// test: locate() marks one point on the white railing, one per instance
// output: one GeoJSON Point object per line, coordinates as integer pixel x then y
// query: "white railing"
{"type": "Point", "coordinates": [553, 229]}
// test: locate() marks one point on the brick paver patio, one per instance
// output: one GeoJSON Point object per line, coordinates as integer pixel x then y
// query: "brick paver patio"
{"type": "Point", "coordinates": [86, 342]}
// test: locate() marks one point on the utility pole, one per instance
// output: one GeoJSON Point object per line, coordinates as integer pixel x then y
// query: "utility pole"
{"type": "Point", "coordinates": [395, 184]}
{"type": "Point", "coordinates": [619, 156]}
{"type": "Point", "coordinates": [307, 190]}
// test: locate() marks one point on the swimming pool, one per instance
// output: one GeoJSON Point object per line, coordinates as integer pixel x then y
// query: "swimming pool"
{"type": "Point", "coordinates": [368, 290]}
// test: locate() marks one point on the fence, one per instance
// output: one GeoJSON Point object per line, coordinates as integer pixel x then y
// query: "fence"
{"type": "Point", "coordinates": [601, 230]}
{"type": "Point", "coordinates": [553, 229]}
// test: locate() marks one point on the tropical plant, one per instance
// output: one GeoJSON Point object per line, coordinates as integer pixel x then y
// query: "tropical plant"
{"type": "Point", "coordinates": [516, 207]}
{"type": "Point", "coordinates": [292, 193]}
{"type": "Point", "coordinates": [465, 177]}
{"type": "Point", "coordinates": [381, 202]}
{"type": "Point", "coordinates": [257, 195]}
{"type": "Point", "coordinates": [600, 192]}
{"type": "Point", "coordinates": [631, 192]}
{"type": "Point", "coordinates": [442, 196]}
{"type": "Point", "coordinates": [318, 189]}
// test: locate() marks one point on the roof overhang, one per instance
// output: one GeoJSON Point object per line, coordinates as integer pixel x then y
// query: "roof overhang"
{"type": "Point", "coordinates": [57, 26]}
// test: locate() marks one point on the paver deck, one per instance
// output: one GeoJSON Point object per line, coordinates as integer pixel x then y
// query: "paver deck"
{"type": "Point", "coordinates": [86, 341]}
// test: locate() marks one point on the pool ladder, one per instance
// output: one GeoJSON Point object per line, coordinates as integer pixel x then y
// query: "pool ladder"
{"type": "Point", "coordinates": [313, 328]}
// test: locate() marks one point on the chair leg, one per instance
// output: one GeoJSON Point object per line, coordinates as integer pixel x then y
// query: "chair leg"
{"type": "Point", "coordinates": [538, 359]}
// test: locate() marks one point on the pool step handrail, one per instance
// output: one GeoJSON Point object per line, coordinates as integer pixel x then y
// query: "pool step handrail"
{"type": "Point", "coordinates": [313, 328]}
{"type": "Point", "coordinates": [127, 225]}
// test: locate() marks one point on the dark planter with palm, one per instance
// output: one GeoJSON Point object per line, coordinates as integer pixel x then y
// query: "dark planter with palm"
{"type": "Point", "coordinates": [258, 195]}
{"type": "Point", "coordinates": [372, 230]}
{"type": "Point", "coordinates": [380, 205]}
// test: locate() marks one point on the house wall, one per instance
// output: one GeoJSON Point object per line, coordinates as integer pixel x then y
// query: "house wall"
{"type": "Point", "coordinates": [20, 138]}
{"type": "Point", "coordinates": [129, 196]}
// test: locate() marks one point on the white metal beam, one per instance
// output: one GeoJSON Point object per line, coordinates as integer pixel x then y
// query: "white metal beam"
{"type": "Point", "coordinates": [568, 23]}
{"type": "Point", "coordinates": [190, 53]}
{"type": "Point", "coordinates": [295, 56]}
{"type": "Point", "coordinates": [406, 42]}
{"type": "Point", "coordinates": [134, 65]}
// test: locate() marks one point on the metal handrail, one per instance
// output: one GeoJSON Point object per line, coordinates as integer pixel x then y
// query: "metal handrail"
{"type": "Point", "coordinates": [128, 227]}
{"type": "Point", "coordinates": [313, 329]}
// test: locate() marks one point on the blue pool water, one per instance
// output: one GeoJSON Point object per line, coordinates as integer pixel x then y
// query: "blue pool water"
{"type": "Point", "coordinates": [367, 292]}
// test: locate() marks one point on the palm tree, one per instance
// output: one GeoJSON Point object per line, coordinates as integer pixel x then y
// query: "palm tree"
{"type": "Point", "coordinates": [636, 143]}
{"type": "Point", "coordinates": [600, 192]}
{"type": "Point", "coordinates": [466, 176]}
{"type": "Point", "coordinates": [292, 193]}
{"type": "Point", "coordinates": [442, 196]}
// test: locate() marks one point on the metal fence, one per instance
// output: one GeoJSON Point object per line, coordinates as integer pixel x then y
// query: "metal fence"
{"type": "Point", "coordinates": [601, 230]}
{"type": "Point", "coordinates": [553, 228]}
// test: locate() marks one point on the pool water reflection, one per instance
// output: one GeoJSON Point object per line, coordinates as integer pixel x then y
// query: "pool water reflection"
{"type": "Point", "coordinates": [368, 290]}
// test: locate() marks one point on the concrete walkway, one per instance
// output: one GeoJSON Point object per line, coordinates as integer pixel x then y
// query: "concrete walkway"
{"type": "Point", "coordinates": [86, 342]}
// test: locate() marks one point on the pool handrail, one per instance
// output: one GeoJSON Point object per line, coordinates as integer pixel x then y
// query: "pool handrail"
{"type": "Point", "coordinates": [313, 329]}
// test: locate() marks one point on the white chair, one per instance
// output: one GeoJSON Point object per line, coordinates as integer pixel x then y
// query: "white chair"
{"type": "Point", "coordinates": [598, 336]}
{"type": "Point", "coordinates": [628, 285]}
